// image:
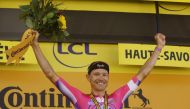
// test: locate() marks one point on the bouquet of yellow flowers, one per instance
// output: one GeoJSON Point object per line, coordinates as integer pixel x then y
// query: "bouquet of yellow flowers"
{"type": "Point", "coordinates": [43, 16]}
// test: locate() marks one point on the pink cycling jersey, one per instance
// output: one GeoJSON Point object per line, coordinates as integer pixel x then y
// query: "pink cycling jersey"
{"type": "Point", "coordinates": [83, 101]}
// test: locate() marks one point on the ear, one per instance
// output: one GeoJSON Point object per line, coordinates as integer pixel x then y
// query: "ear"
{"type": "Point", "coordinates": [88, 77]}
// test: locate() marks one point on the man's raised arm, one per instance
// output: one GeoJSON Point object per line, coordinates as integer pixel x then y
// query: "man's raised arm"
{"type": "Point", "coordinates": [147, 67]}
{"type": "Point", "coordinates": [42, 61]}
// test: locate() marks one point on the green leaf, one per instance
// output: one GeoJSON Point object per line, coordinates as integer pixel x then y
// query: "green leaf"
{"type": "Point", "coordinates": [35, 3]}
{"type": "Point", "coordinates": [25, 8]}
{"type": "Point", "coordinates": [66, 33]}
{"type": "Point", "coordinates": [53, 37]}
{"type": "Point", "coordinates": [29, 22]}
{"type": "Point", "coordinates": [44, 20]}
{"type": "Point", "coordinates": [50, 15]}
{"type": "Point", "coordinates": [52, 21]}
{"type": "Point", "coordinates": [41, 3]}
{"type": "Point", "coordinates": [35, 7]}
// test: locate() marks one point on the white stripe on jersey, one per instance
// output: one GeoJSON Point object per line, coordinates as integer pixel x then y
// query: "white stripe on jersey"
{"type": "Point", "coordinates": [66, 91]}
{"type": "Point", "coordinates": [132, 87]}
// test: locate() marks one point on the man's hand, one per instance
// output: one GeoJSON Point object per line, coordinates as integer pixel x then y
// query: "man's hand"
{"type": "Point", "coordinates": [35, 40]}
{"type": "Point", "coordinates": [160, 40]}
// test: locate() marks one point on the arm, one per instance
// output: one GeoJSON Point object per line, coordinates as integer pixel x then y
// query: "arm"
{"type": "Point", "coordinates": [147, 67]}
{"type": "Point", "coordinates": [42, 61]}
{"type": "Point", "coordinates": [66, 89]}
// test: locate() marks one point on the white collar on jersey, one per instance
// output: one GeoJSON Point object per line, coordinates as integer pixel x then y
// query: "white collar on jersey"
{"type": "Point", "coordinates": [100, 99]}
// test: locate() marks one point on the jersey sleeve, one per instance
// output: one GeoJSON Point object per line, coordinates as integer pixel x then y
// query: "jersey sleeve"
{"type": "Point", "coordinates": [68, 90]}
{"type": "Point", "coordinates": [123, 92]}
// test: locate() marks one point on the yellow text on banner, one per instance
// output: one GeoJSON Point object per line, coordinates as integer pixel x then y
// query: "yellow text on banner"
{"type": "Point", "coordinates": [137, 54]}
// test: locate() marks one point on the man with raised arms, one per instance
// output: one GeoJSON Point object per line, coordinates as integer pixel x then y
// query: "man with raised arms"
{"type": "Point", "coordinates": [98, 77]}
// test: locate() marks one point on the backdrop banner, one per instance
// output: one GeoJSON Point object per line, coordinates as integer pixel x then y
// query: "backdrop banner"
{"type": "Point", "coordinates": [29, 90]}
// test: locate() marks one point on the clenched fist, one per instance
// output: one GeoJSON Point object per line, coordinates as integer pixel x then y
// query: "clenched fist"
{"type": "Point", "coordinates": [160, 40]}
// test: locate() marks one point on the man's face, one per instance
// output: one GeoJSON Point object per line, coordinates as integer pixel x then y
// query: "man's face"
{"type": "Point", "coordinates": [98, 79]}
